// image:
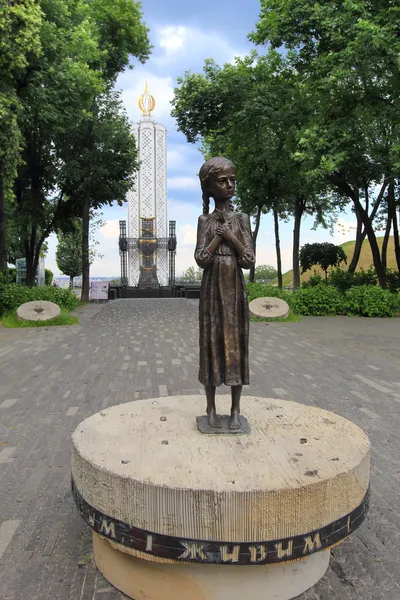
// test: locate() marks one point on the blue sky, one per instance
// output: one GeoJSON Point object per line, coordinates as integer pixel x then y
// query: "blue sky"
{"type": "Point", "coordinates": [184, 34]}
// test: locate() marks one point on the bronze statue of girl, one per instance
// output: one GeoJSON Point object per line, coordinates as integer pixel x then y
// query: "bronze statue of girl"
{"type": "Point", "coordinates": [224, 247]}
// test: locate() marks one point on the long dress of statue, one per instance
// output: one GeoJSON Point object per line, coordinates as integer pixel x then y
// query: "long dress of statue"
{"type": "Point", "coordinates": [224, 247]}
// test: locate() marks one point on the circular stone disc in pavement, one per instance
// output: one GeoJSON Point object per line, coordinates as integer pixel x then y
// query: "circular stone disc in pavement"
{"type": "Point", "coordinates": [38, 310]}
{"type": "Point", "coordinates": [269, 308]}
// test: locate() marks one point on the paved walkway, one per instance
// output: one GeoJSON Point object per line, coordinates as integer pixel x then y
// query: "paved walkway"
{"type": "Point", "coordinates": [51, 379]}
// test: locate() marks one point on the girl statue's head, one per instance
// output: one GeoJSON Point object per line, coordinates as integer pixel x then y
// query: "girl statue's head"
{"type": "Point", "coordinates": [209, 171]}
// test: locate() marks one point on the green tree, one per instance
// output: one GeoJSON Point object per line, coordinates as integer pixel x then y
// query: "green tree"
{"type": "Point", "coordinates": [192, 274]}
{"type": "Point", "coordinates": [121, 34]}
{"type": "Point", "coordinates": [346, 55]}
{"type": "Point", "coordinates": [323, 254]}
{"type": "Point", "coordinates": [84, 44]}
{"type": "Point", "coordinates": [265, 273]}
{"type": "Point", "coordinates": [100, 163]}
{"type": "Point", "coordinates": [69, 247]}
{"type": "Point", "coordinates": [251, 111]}
{"type": "Point", "coordinates": [48, 276]}
{"type": "Point", "coordinates": [19, 39]}
{"type": "Point", "coordinates": [54, 89]}
{"type": "Point", "coordinates": [69, 251]}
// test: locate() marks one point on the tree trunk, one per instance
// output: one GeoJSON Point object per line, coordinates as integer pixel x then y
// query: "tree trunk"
{"type": "Point", "coordinates": [391, 212]}
{"type": "Point", "coordinates": [71, 282]}
{"type": "Point", "coordinates": [86, 215]}
{"type": "Point", "coordinates": [32, 255]}
{"type": "Point", "coordinates": [376, 255]}
{"type": "Point", "coordinates": [85, 249]}
{"type": "Point", "coordinates": [30, 269]}
{"type": "Point", "coordinates": [278, 247]}
{"type": "Point", "coordinates": [30, 258]}
{"type": "Point", "coordinates": [360, 237]}
{"type": "Point", "coordinates": [298, 213]}
{"type": "Point", "coordinates": [396, 239]}
{"type": "Point", "coordinates": [341, 183]}
{"type": "Point", "coordinates": [362, 233]}
{"type": "Point", "coordinates": [254, 236]}
{"type": "Point", "coordinates": [3, 257]}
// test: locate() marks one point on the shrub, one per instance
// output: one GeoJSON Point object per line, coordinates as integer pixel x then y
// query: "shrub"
{"type": "Point", "coordinates": [8, 275]}
{"type": "Point", "coordinates": [323, 254]}
{"type": "Point", "coordinates": [344, 280]}
{"type": "Point", "coordinates": [48, 276]}
{"type": "Point", "coordinates": [12, 296]}
{"type": "Point", "coordinates": [371, 301]}
{"type": "Point", "coordinates": [362, 277]}
{"type": "Point", "coordinates": [393, 280]}
{"type": "Point", "coordinates": [319, 300]}
{"type": "Point", "coordinates": [260, 290]}
{"type": "Point", "coordinates": [315, 279]}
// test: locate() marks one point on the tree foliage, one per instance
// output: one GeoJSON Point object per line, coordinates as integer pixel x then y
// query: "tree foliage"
{"type": "Point", "coordinates": [323, 254]}
{"type": "Point", "coordinates": [69, 246]}
{"type": "Point", "coordinates": [60, 88]}
{"type": "Point", "coordinates": [69, 251]}
{"type": "Point", "coordinates": [346, 55]}
{"type": "Point", "coordinates": [100, 163]}
{"type": "Point", "coordinates": [265, 273]}
{"type": "Point", "coordinates": [48, 276]}
{"type": "Point", "coordinates": [192, 274]}
{"type": "Point", "coordinates": [20, 24]}
{"type": "Point", "coordinates": [251, 111]}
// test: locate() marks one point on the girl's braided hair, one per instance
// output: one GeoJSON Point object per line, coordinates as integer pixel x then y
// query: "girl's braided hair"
{"type": "Point", "coordinates": [210, 169]}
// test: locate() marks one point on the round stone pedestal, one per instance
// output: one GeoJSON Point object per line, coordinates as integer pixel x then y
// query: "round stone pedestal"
{"type": "Point", "coordinates": [145, 580]}
{"type": "Point", "coordinates": [269, 308]}
{"type": "Point", "coordinates": [38, 310]}
{"type": "Point", "coordinates": [179, 514]}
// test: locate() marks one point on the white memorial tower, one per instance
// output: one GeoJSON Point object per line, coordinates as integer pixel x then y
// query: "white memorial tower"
{"type": "Point", "coordinates": [147, 203]}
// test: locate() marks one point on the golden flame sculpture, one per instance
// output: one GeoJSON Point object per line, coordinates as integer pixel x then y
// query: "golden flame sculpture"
{"type": "Point", "coordinates": [146, 102]}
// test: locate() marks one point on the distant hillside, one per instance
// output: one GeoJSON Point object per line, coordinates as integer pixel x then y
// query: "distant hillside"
{"type": "Point", "coordinates": [364, 263]}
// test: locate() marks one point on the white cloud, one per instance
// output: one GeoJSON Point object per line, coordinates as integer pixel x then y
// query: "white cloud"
{"type": "Point", "coordinates": [109, 263]}
{"type": "Point", "coordinates": [184, 261]}
{"type": "Point", "coordinates": [190, 45]}
{"type": "Point", "coordinates": [110, 229]}
{"type": "Point", "coordinates": [184, 158]}
{"type": "Point", "coordinates": [189, 235]}
{"type": "Point", "coordinates": [173, 38]}
{"type": "Point", "coordinates": [183, 183]}
{"type": "Point", "coordinates": [50, 259]}
{"type": "Point", "coordinates": [175, 159]}
{"type": "Point", "coordinates": [183, 211]}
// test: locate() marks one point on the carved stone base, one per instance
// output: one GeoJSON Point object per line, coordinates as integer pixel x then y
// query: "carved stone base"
{"type": "Point", "coordinates": [203, 426]}
{"type": "Point", "coordinates": [144, 580]}
{"type": "Point", "coordinates": [185, 516]}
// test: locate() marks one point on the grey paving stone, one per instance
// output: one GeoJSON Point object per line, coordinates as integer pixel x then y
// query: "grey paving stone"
{"type": "Point", "coordinates": [347, 366]}
{"type": "Point", "coordinates": [8, 403]}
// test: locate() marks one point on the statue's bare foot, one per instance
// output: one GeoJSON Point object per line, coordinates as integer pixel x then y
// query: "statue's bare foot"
{"type": "Point", "coordinates": [213, 420]}
{"type": "Point", "coordinates": [234, 421]}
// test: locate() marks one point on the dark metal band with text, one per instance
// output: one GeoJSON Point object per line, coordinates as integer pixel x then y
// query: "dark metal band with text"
{"type": "Point", "coordinates": [187, 550]}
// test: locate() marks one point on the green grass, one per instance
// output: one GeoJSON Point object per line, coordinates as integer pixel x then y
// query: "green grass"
{"type": "Point", "coordinates": [64, 318]}
{"type": "Point", "coordinates": [365, 261]}
{"type": "Point", "coordinates": [292, 318]}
